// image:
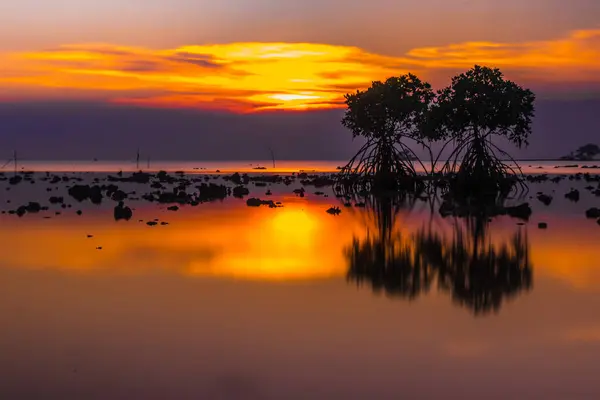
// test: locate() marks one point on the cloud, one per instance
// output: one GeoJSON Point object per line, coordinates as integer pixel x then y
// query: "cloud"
{"type": "Point", "coordinates": [265, 76]}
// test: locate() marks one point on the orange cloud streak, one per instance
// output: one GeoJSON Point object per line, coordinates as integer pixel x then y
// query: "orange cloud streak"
{"type": "Point", "coordinates": [261, 76]}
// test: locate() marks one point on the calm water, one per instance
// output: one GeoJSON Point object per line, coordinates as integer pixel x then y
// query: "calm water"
{"type": "Point", "coordinates": [236, 302]}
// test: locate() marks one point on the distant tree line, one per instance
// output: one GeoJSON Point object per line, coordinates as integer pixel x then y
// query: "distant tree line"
{"type": "Point", "coordinates": [587, 152]}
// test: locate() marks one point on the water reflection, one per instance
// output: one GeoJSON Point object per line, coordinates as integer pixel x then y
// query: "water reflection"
{"type": "Point", "coordinates": [460, 259]}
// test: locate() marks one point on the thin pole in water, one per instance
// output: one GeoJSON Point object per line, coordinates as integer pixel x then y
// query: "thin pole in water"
{"type": "Point", "coordinates": [137, 160]}
{"type": "Point", "coordinates": [272, 156]}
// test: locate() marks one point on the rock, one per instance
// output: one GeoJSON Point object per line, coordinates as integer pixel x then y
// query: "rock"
{"type": "Point", "coordinates": [573, 195]}
{"type": "Point", "coordinates": [151, 223]}
{"type": "Point", "coordinates": [118, 195]}
{"type": "Point", "coordinates": [240, 191]}
{"type": "Point", "coordinates": [545, 199]}
{"type": "Point", "coordinates": [84, 192]}
{"type": "Point", "coordinates": [299, 192]}
{"type": "Point", "coordinates": [522, 211]}
{"type": "Point", "coordinates": [79, 192]}
{"type": "Point", "coordinates": [34, 207]}
{"type": "Point", "coordinates": [15, 180]}
{"type": "Point", "coordinates": [164, 223]}
{"type": "Point", "coordinates": [334, 211]}
{"type": "Point", "coordinates": [122, 212]}
{"type": "Point", "coordinates": [253, 202]}
{"type": "Point", "coordinates": [56, 200]}
{"type": "Point", "coordinates": [268, 193]}
{"type": "Point", "coordinates": [543, 225]}
{"type": "Point", "coordinates": [593, 213]}
{"type": "Point", "coordinates": [79, 212]}
{"type": "Point", "coordinates": [211, 192]}
{"type": "Point", "coordinates": [173, 208]}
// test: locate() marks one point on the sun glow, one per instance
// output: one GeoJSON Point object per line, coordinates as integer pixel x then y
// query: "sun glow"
{"type": "Point", "coordinates": [248, 77]}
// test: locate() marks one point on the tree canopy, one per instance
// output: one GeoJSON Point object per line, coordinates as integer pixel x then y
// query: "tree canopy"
{"type": "Point", "coordinates": [480, 101]}
{"type": "Point", "coordinates": [394, 108]}
{"type": "Point", "coordinates": [585, 153]}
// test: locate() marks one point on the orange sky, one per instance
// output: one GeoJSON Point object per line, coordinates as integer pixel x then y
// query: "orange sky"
{"type": "Point", "coordinates": [261, 76]}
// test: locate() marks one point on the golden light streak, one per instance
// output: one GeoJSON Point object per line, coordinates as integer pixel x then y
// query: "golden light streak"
{"type": "Point", "coordinates": [262, 76]}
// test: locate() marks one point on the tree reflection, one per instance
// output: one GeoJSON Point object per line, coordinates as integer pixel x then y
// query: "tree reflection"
{"type": "Point", "coordinates": [461, 259]}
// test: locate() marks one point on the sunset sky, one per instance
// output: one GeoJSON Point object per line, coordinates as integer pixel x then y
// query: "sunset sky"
{"type": "Point", "coordinates": [245, 56]}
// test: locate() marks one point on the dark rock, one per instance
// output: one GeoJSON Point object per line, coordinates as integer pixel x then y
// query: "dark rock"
{"type": "Point", "coordinates": [173, 208]}
{"type": "Point", "coordinates": [56, 200]}
{"type": "Point", "coordinates": [573, 195]}
{"type": "Point", "coordinates": [211, 192]}
{"type": "Point", "coordinates": [33, 207]}
{"type": "Point", "coordinates": [122, 212]}
{"type": "Point", "coordinates": [522, 211]}
{"type": "Point", "coordinates": [253, 202]}
{"type": "Point", "coordinates": [151, 223]}
{"type": "Point", "coordinates": [593, 213]}
{"type": "Point", "coordinates": [15, 180]}
{"type": "Point", "coordinates": [545, 199]}
{"type": "Point", "coordinates": [240, 191]}
{"type": "Point", "coordinates": [334, 211]}
{"type": "Point", "coordinates": [118, 195]}
{"type": "Point", "coordinates": [543, 225]}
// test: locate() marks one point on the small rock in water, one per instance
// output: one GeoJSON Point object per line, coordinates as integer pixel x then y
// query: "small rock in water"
{"type": "Point", "coordinates": [573, 195]}
{"type": "Point", "coordinates": [334, 211]}
{"type": "Point", "coordinates": [593, 213]}
{"type": "Point", "coordinates": [79, 212]}
{"type": "Point", "coordinates": [122, 212]}
{"type": "Point", "coordinates": [173, 208]}
{"type": "Point", "coordinates": [253, 202]}
{"type": "Point", "coordinates": [543, 225]}
{"type": "Point", "coordinates": [545, 199]}
{"type": "Point", "coordinates": [151, 223]}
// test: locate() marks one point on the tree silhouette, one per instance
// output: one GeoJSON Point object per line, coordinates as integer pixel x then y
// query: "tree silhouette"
{"type": "Point", "coordinates": [477, 106]}
{"type": "Point", "coordinates": [385, 259]}
{"type": "Point", "coordinates": [386, 114]}
{"type": "Point", "coordinates": [478, 273]}
{"type": "Point", "coordinates": [584, 153]}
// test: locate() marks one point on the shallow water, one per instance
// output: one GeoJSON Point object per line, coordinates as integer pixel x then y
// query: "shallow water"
{"type": "Point", "coordinates": [236, 302]}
